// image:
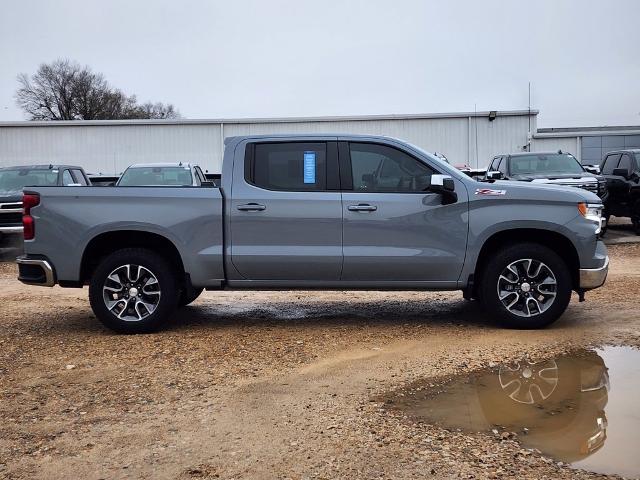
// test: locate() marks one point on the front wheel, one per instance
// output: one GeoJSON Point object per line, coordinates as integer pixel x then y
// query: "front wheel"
{"type": "Point", "coordinates": [133, 290]}
{"type": "Point", "coordinates": [525, 286]}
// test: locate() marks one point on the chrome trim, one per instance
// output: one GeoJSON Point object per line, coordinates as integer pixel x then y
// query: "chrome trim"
{"type": "Point", "coordinates": [594, 277]}
{"type": "Point", "coordinates": [11, 229]}
{"type": "Point", "coordinates": [46, 266]}
{"type": "Point", "coordinates": [12, 207]}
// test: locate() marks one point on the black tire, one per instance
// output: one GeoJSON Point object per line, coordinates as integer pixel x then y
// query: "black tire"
{"type": "Point", "coordinates": [635, 217]}
{"type": "Point", "coordinates": [497, 265]}
{"type": "Point", "coordinates": [165, 302]}
{"type": "Point", "coordinates": [186, 299]}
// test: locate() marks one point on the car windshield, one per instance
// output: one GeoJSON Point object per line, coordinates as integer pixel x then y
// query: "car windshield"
{"type": "Point", "coordinates": [545, 164]}
{"type": "Point", "coordinates": [155, 176]}
{"type": "Point", "coordinates": [14, 180]}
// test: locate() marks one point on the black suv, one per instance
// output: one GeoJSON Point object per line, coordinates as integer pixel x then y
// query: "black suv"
{"type": "Point", "coordinates": [14, 179]}
{"type": "Point", "coordinates": [555, 168]}
{"type": "Point", "coordinates": [621, 168]}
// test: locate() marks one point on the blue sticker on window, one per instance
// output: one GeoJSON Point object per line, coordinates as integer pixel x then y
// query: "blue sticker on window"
{"type": "Point", "coordinates": [309, 167]}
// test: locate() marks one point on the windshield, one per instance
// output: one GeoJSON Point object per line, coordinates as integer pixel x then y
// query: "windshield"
{"type": "Point", "coordinates": [545, 164]}
{"type": "Point", "coordinates": [15, 180]}
{"type": "Point", "coordinates": [155, 176]}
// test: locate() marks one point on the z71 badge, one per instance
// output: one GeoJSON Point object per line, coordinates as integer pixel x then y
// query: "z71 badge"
{"type": "Point", "coordinates": [489, 191]}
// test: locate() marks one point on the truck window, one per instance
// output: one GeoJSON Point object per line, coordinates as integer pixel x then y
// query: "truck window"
{"type": "Point", "coordinates": [288, 166]}
{"type": "Point", "coordinates": [610, 163]}
{"type": "Point", "coordinates": [380, 168]}
{"type": "Point", "coordinates": [67, 179]}
{"type": "Point", "coordinates": [625, 162]}
{"type": "Point", "coordinates": [79, 177]}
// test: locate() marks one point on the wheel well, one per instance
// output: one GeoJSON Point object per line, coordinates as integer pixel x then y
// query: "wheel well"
{"type": "Point", "coordinates": [555, 241]}
{"type": "Point", "coordinates": [107, 243]}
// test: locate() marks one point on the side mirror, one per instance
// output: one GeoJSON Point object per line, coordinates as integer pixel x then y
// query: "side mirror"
{"type": "Point", "coordinates": [592, 169]}
{"type": "Point", "coordinates": [445, 186]}
{"type": "Point", "coordinates": [620, 172]}
{"type": "Point", "coordinates": [494, 175]}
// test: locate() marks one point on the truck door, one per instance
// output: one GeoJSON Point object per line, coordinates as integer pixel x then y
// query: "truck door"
{"type": "Point", "coordinates": [286, 212]}
{"type": "Point", "coordinates": [393, 229]}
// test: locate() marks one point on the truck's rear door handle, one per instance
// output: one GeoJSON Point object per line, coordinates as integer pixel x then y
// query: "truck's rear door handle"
{"type": "Point", "coordinates": [252, 207]}
{"type": "Point", "coordinates": [362, 207]}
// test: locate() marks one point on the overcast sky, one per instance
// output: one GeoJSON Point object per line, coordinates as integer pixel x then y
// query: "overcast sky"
{"type": "Point", "coordinates": [259, 58]}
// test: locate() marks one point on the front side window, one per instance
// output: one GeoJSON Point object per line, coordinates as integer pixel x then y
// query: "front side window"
{"type": "Point", "coordinates": [380, 168]}
{"type": "Point", "coordinates": [67, 179]}
{"type": "Point", "coordinates": [625, 162]}
{"type": "Point", "coordinates": [545, 164]}
{"type": "Point", "coordinates": [80, 179]}
{"type": "Point", "coordinates": [289, 166]}
{"type": "Point", "coordinates": [156, 176]}
{"type": "Point", "coordinates": [610, 163]}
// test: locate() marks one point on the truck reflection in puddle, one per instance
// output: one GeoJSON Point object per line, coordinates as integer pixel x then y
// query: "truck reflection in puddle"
{"type": "Point", "coordinates": [556, 406]}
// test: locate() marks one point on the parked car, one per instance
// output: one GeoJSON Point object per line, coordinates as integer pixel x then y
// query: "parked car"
{"type": "Point", "coordinates": [322, 212]}
{"type": "Point", "coordinates": [555, 168]}
{"type": "Point", "coordinates": [163, 174]}
{"type": "Point", "coordinates": [14, 179]}
{"type": "Point", "coordinates": [622, 172]}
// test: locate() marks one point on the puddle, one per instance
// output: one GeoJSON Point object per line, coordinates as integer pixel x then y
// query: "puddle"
{"type": "Point", "coordinates": [580, 409]}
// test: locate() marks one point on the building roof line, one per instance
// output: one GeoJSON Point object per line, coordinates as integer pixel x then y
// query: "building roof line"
{"type": "Point", "coordinates": [346, 118]}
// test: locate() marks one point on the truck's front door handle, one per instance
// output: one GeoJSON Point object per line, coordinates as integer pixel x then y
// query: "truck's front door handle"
{"type": "Point", "coordinates": [252, 207]}
{"type": "Point", "coordinates": [362, 207]}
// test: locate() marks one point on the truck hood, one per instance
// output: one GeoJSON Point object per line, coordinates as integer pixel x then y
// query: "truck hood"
{"type": "Point", "coordinates": [534, 191]}
{"type": "Point", "coordinates": [558, 176]}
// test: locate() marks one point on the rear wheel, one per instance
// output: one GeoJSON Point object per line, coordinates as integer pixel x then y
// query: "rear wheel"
{"type": "Point", "coordinates": [525, 286]}
{"type": "Point", "coordinates": [133, 290]}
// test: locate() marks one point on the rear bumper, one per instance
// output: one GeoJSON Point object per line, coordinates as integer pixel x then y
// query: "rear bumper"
{"type": "Point", "coordinates": [10, 229]}
{"type": "Point", "coordinates": [35, 271]}
{"type": "Point", "coordinates": [591, 278]}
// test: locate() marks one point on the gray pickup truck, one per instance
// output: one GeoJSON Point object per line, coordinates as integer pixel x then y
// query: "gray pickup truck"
{"type": "Point", "coordinates": [317, 212]}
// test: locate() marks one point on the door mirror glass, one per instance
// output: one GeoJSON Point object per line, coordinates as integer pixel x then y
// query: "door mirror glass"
{"type": "Point", "coordinates": [494, 175]}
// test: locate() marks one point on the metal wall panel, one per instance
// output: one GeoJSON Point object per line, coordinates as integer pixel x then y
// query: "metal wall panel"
{"type": "Point", "coordinates": [552, 144]}
{"type": "Point", "coordinates": [110, 147]}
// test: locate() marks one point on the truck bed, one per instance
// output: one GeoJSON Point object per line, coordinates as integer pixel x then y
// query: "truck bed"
{"type": "Point", "coordinates": [68, 218]}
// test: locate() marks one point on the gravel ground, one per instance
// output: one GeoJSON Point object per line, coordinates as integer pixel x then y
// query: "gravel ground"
{"type": "Point", "coordinates": [269, 384]}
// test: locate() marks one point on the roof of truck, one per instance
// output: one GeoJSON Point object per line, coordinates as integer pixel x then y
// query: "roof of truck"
{"type": "Point", "coordinates": [40, 167]}
{"type": "Point", "coordinates": [159, 165]}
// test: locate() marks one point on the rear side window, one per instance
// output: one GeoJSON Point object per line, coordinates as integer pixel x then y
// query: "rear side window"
{"type": "Point", "coordinates": [287, 166]}
{"type": "Point", "coordinates": [610, 163]}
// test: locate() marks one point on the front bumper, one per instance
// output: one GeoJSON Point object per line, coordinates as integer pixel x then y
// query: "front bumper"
{"type": "Point", "coordinates": [35, 271]}
{"type": "Point", "coordinates": [591, 278]}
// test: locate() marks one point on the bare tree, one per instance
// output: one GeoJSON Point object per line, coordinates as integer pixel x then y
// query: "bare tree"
{"type": "Point", "coordinates": [63, 90]}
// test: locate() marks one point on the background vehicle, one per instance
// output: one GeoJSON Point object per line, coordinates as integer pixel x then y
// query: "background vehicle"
{"type": "Point", "coordinates": [555, 168]}
{"type": "Point", "coordinates": [14, 179]}
{"type": "Point", "coordinates": [622, 172]}
{"type": "Point", "coordinates": [163, 174]}
{"type": "Point", "coordinates": [313, 211]}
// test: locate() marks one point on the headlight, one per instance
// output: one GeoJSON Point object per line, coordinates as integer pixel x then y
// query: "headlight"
{"type": "Point", "coordinates": [592, 212]}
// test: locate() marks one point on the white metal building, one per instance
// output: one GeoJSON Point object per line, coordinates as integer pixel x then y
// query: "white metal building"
{"type": "Point", "coordinates": [108, 147]}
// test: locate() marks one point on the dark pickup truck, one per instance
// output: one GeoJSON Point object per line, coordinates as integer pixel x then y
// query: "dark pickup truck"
{"type": "Point", "coordinates": [14, 179]}
{"type": "Point", "coordinates": [622, 171]}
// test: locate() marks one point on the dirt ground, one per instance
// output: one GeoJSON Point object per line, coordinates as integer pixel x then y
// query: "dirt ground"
{"type": "Point", "coordinates": [269, 385]}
